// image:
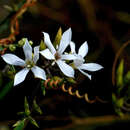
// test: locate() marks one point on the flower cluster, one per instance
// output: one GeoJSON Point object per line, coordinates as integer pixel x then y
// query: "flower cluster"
{"type": "Point", "coordinates": [57, 55]}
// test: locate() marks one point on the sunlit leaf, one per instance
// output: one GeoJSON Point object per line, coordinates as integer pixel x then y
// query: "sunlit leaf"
{"type": "Point", "coordinates": [42, 45]}
{"type": "Point", "coordinates": [71, 80]}
{"type": "Point", "coordinates": [114, 99]}
{"type": "Point", "coordinates": [36, 107]}
{"type": "Point", "coordinates": [120, 102]}
{"type": "Point", "coordinates": [19, 125]}
{"type": "Point", "coordinates": [26, 107]}
{"type": "Point", "coordinates": [57, 38]}
{"type": "Point", "coordinates": [32, 121]}
{"type": "Point", "coordinates": [119, 76]}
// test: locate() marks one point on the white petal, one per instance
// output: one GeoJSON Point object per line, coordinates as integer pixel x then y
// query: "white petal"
{"type": "Point", "coordinates": [83, 50]}
{"type": "Point", "coordinates": [20, 76]}
{"type": "Point", "coordinates": [66, 69]}
{"type": "Point", "coordinates": [91, 67]}
{"type": "Point", "coordinates": [72, 46]}
{"type": "Point", "coordinates": [13, 59]}
{"type": "Point", "coordinates": [38, 72]}
{"type": "Point", "coordinates": [65, 40]}
{"type": "Point", "coordinates": [27, 50]}
{"type": "Point", "coordinates": [68, 57]}
{"type": "Point", "coordinates": [86, 74]}
{"type": "Point", "coordinates": [48, 43]}
{"type": "Point", "coordinates": [47, 54]}
{"type": "Point", "coordinates": [36, 54]}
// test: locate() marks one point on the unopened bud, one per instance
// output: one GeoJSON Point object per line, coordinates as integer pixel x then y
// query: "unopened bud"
{"type": "Point", "coordinates": [22, 42]}
{"type": "Point", "coordinates": [12, 47]}
{"type": "Point", "coordinates": [31, 43]}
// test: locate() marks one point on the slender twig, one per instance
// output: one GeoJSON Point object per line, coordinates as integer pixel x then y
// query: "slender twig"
{"type": "Point", "coordinates": [14, 25]}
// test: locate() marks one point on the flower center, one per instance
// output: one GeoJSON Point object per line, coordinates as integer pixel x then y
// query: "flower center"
{"type": "Point", "coordinates": [57, 56]}
{"type": "Point", "coordinates": [79, 61]}
{"type": "Point", "coordinates": [29, 64]}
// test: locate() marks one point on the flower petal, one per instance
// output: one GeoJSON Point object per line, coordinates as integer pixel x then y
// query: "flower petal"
{"type": "Point", "coordinates": [36, 54]}
{"type": "Point", "coordinates": [65, 40]}
{"type": "Point", "coordinates": [86, 74]}
{"type": "Point", "coordinates": [68, 57]}
{"type": "Point", "coordinates": [38, 72]}
{"type": "Point", "coordinates": [13, 59]}
{"type": "Point", "coordinates": [20, 76]}
{"type": "Point", "coordinates": [72, 47]}
{"type": "Point", "coordinates": [83, 50]}
{"type": "Point", "coordinates": [66, 69]}
{"type": "Point", "coordinates": [47, 54]}
{"type": "Point", "coordinates": [91, 67]}
{"type": "Point", "coordinates": [48, 43]}
{"type": "Point", "coordinates": [27, 50]}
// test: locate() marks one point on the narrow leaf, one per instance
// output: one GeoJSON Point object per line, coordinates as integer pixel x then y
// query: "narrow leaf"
{"type": "Point", "coordinates": [19, 125]}
{"type": "Point", "coordinates": [127, 77]}
{"type": "Point", "coordinates": [120, 102]}
{"type": "Point", "coordinates": [26, 107]}
{"type": "Point", "coordinates": [42, 45]}
{"type": "Point", "coordinates": [32, 121]}
{"type": "Point", "coordinates": [43, 88]}
{"type": "Point", "coordinates": [57, 38]}
{"type": "Point", "coordinates": [119, 76]}
{"type": "Point", "coordinates": [114, 99]}
{"type": "Point", "coordinates": [36, 107]}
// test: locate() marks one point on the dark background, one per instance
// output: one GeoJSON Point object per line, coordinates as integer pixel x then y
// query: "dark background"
{"type": "Point", "coordinates": [104, 25]}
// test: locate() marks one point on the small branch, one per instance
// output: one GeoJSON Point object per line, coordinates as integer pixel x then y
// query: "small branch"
{"type": "Point", "coordinates": [91, 121]}
{"type": "Point", "coordinates": [14, 25]}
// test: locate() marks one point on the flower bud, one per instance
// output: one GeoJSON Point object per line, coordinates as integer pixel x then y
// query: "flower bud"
{"type": "Point", "coordinates": [22, 42]}
{"type": "Point", "coordinates": [12, 47]}
{"type": "Point", "coordinates": [31, 43]}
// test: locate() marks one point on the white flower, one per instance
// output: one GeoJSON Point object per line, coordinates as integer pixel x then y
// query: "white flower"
{"type": "Point", "coordinates": [57, 54]}
{"type": "Point", "coordinates": [79, 61]}
{"type": "Point", "coordinates": [28, 64]}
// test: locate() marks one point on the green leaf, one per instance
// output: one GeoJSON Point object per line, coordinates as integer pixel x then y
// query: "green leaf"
{"type": "Point", "coordinates": [57, 38]}
{"type": "Point", "coordinates": [119, 112]}
{"type": "Point", "coordinates": [127, 77]}
{"type": "Point", "coordinates": [119, 77]}
{"type": "Point", "coordinates": [6, 89]}
{"type": "Point", "coordinates": [19, 125]}
{"type": "Point", "coordinates": [57, 78]}
{"type": "Point", "coordinates": [120, 102]}
{"type": "Point", "coordinates": [36, 107]}
{"type": "Point", "coordinates": [32, 121]}
{"type": "Point", "coordinates": [21, 113]}
{"type": "Point", "coordinates": [26, 107]}
{"type": "Point", "coordinates": [123, 17]}
{"type": "Point", "coordinates": [71, 80]}
{"type": "Point", "coordinates": [114, 99]}
{"type": "Point", "coordinates": [43, 88]}
{"type": "Point", "coordinates": [42, 45]}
